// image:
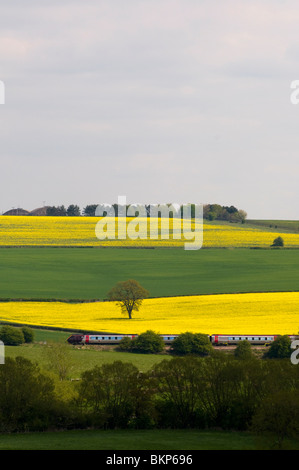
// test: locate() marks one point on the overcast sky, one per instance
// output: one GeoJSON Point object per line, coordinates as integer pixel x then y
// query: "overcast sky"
{"type": "Point", "coordinates": [158, 100]}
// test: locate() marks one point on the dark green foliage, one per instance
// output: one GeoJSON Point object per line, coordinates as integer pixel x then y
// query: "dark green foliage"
{"type": "Point", "coordinates": [278, 242]}
{"type": "Point", "coordinates": [56, 211]}
{"type": "Point", "coordinates": [110, 391]}
{"type": "Point", "coordinates": [179, 384]}
{"type": "Point", "coordinates": [278, 415]}
{"type": "Point", "coordinates": [73, 211]}
{"type": "Point", "coordinates": [228, 213]}
{"type": "Point", "coordinates": [280, 348]}
{"type": "Point", "coordinates": [129, 296]}
{"type": "Point", "coordinates": [125, 344]}
{"type": "Point", "coordinates": [148, 342]}
{"type": "Point", "coordinates": [89, 210]}
{"type": "Point", "coordinates": [27, 397]}
{"type": "Point", "coordinates": [192, 343]}
{"type": "Point", "coordinates": [243, 350]}
{"type": "Point", "coordinates": [183, 392]}
{"type": "Point", "coordinates": [28, 334]}
{"type": "Point", "coordinates": [11, 336]}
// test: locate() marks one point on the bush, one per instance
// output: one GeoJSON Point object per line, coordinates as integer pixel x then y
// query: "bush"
{"type": "Point", "coordinates": [125, 344]}
{"type": "Point", "coordinates": [280, 348]}
{"type": "Point", "coordinates": [192, 343]}
{"type": "Point", "coordinates": [11, 336]}
{"type": "Point", "coordinates": [148, 342]}
{"type": "Point", "coordinates": [278, 242]}
{"type": "Point", "coordinates": [243, 350]}
{"type": "Point", "coordinates": [28, 334]}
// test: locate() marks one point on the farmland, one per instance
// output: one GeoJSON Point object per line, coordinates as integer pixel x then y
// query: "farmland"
{"type": "Point", "coordinates": [80, 231]}
{"type": "Point", "coordinates": [260, 313]}
{"type": "Point", "coordinates": [182, 284]}
{"type": "Point", "coordinates": [75, 273]}
{"type": "Point", "coordinates": [55, 274]}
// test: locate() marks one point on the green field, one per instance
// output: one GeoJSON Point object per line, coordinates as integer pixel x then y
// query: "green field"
{"type": "Point", "coordinates": [138, 440]}
{"type": "Point", "coordinates": [291, 226]}
{"type": "Point", "coordinates": [79, 360]}
{"type": "Point", "coordinates": [74, 273]}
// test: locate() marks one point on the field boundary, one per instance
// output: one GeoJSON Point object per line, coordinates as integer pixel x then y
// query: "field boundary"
{"type": "Point", "coordinates": [91, 301]}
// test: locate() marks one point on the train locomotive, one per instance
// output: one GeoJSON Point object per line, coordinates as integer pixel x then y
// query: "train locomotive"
{"type": "Point", "coordinates": [216, 340]}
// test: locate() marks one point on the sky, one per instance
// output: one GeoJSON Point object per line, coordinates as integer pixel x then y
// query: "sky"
{"type": "Point", "coordinates": [156, 100]}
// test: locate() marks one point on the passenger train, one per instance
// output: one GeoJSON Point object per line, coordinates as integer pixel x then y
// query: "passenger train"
{"type": "Point", "coordinates": [216, 340]}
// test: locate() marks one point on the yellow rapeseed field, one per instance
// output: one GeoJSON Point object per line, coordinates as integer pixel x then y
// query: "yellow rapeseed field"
{"type": "Point", "coordinates": [253, 313]}
{"type": "Point", "coordinates": [80, 231]}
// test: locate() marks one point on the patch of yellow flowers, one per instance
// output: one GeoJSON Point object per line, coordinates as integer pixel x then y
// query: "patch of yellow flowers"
{"type": "Point", "coordinates": [253, 313]}
{"type": "Point", "coordinates": [80, 231]}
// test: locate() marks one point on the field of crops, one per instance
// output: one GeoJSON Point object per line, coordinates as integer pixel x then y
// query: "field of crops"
{"type": "Point", "coordinates": [238, 275]}
{"type": "Point", "coordinates": [259, 313]}
{"type": "Point", "coordinates": [81, 231]}
{"type": "Point", "coordinates": [76, 273]}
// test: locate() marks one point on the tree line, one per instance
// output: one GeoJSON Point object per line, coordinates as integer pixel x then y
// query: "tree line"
{"type": "Point", "coordinates": [232, 392]}
{"type": "Point", "coordinates": [228, 213]}
{"type": "Point", "coordinates": [210, 211]}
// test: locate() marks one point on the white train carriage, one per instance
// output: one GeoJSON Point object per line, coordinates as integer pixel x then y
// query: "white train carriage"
{"type": "Point", "coordinates": [253, 339]}
{"type": "Point", "coordinates": [105, 339]}
{"type": "Point", "coordinates": [98, 338]}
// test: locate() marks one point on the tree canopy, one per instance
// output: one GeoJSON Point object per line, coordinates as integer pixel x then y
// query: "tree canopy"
{"type": "Point", "coordinates": [128, 295]}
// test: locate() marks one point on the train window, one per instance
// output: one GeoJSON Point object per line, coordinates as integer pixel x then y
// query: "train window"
{"type": "Point", "coordinates": [116, 337]}
{"type": "Point", "coordinates": [103, 337]}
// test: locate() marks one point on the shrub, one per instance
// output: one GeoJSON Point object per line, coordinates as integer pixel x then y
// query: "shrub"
{"type": "Point", "coordinates": [125, 344]}
{"type": "Point", "coordinates": [11, 336]}
{"type": "Point", "coordinates": [192, 343]}
{"type": "Point", "coordinates": [280, 348]}
{"type": "Point", "coordinates": [278, 242]}
{"type": "Point", "coordinates": [243, 350]}
{"type": "Point", "coordinates": [28, 334]}
{"type": "Point", "coordinates": [148, 342]}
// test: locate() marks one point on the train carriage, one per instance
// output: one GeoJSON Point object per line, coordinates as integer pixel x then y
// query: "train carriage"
{"type": "Point", "coordinates": [216, 340]}
{"type": "Point", "coordinates": [98, 338]}
{"type": "Point", "coordinates": [253, 339]}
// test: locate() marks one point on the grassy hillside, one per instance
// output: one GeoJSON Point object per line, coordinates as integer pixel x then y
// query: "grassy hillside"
{"type": "Point", "coordinates": [291, 226]}
{"type": "Point", "coordinates": [48, 273]}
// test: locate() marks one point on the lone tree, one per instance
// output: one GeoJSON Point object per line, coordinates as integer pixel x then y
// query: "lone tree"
{"type": "Point", "coordinates": [278, 242]}
{"type": "Point", "coordinates": [128, 295]}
